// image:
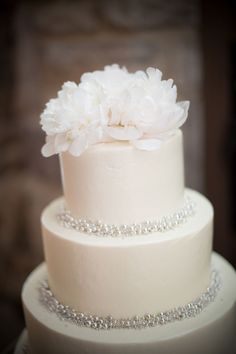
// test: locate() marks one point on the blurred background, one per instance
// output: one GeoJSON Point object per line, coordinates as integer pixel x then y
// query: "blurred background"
{"type": "Point", "coordinates": [44, 43]}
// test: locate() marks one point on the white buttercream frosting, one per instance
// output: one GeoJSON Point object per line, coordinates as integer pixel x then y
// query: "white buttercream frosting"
{"type": "Point", "coordinates": [123, 277]}
{"type": "Point", "coordinates": [212, 331]}
{"type": "Point", "coordinates": [116, 183]}
{"type": "Point", "coordinates": [110, 105]}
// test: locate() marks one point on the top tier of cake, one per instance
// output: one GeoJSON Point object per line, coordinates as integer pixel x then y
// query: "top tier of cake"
{"type": "Point", "coordinates": [117, 183]}
{"type": "Point", "coordinates": [121, 150]}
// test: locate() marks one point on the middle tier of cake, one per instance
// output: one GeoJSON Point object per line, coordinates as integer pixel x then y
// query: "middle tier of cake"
{"type": "Point", "coordinates": [128, 276]}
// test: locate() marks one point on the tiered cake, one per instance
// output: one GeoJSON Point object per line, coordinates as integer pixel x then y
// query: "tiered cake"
{"type": "Point", "coordinates": [128, 249]}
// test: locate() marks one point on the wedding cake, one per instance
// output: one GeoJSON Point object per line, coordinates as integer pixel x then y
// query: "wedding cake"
{"type": "Point", "coordinates": [128, 265]}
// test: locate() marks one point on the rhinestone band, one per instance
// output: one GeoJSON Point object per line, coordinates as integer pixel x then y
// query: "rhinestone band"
{"type": "Point", "coordinates": [80, 319]}
{"type": "Point", "coordinates": [98, 228]}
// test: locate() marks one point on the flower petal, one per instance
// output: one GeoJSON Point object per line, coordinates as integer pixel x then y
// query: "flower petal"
{"type": "Point", "coordinates": [124, 133]}
{"type": "Point", "coordinates": [94, 135]}
{"type": "Point", "coordinates": [48, 149]}
{"type": "Point", "coordinates": [61, 142]}
{"type": "Point", "coordinates": [185, 106]}
{"type": "Point", "coordinates": [79, 145]}
{"type": "Point", "coordinates": [147, 144]}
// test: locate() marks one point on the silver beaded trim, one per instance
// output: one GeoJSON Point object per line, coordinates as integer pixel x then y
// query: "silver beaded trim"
{"type": "Point", "coordinates": [66, 219]}
{"type": "Point", "coordinates": [81, 319]}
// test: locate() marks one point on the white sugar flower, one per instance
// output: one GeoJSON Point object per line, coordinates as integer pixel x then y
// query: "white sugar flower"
{"type": "Point", "coordinates": [113, 104]}
{"type": "Point", "coordinates": [70, 122]}
{"type": "Point", "coordinates": [148, 112]}
{"type": "Point", "coordinates": [111, 81]}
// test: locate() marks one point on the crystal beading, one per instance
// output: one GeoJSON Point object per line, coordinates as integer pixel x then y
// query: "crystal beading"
{"type": "Point", "coordinates": [167, 223]}
{"type": "Point", "coordinates": [192, 309]}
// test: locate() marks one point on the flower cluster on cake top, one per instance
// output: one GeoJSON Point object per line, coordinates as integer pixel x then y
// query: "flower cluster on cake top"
{"type": "Point", "coordinates": [112, 105]}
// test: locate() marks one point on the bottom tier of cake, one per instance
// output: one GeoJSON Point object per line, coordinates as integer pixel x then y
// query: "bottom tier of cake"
{"type": "Point", "coordinates": [211, 331]}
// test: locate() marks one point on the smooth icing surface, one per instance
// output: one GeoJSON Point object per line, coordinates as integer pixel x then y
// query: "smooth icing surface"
{"type": "Point", "coordinates": [117, 183]}
{"type": "Point", "coordinates": [211, 332]}
{"type": "Point", "coordinates": [129, 276]}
